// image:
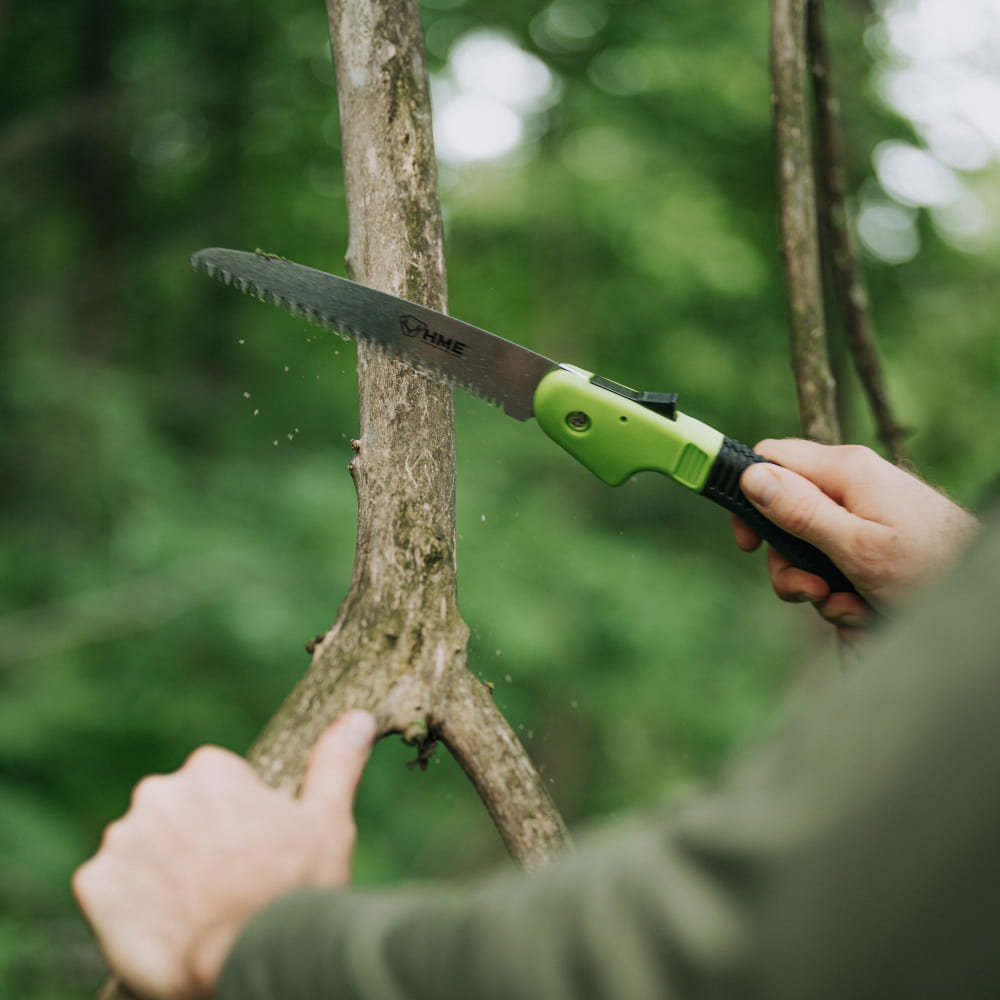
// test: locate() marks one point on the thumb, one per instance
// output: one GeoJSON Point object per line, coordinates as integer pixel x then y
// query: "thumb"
{"type": "Point", "coordinates": [337, 762]}
{"type": "Point", "coordinates": [799, 506]}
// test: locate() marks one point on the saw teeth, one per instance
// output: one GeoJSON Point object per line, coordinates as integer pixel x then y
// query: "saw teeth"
{"type": "Point", "coordinates": [248, 287]}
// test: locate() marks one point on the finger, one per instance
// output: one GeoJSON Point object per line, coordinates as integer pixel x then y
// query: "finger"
{"type": "Point", "coordinates": [746, 538]}
{"type": "Point", "coordinates": [94, 886]}
{"type": "Point", "coordinates": [84, 879]}
{"type": "Point", "coordinates": [845, 473]}
{"type": "Point", "coordinates": [793, 584]}
{"type": "Point", "coordinates": [148, 789]}
{"type": "Point", "coordinates": [215, 763]}
{"type": "Point", "coordinates": [98, 887]}
{"type": "Point", "coordinates": [816, 462]}
{"type": "Point", "coordinates": [337, 762]}
{"type": "Point", "coordinates": [846, 611]}
{"type": "Point", "coordinates": [799, 506]}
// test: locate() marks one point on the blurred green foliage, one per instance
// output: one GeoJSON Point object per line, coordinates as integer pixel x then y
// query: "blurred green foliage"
{"type": "Point", "coordinates": [178, 517]}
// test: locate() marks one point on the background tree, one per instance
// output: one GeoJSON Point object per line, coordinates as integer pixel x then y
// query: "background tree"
{"type": "Point", "coordinates": [177, 502]}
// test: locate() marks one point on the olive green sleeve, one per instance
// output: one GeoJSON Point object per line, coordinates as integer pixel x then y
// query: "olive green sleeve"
{"type": "Point", "coordinates": [855, 853]}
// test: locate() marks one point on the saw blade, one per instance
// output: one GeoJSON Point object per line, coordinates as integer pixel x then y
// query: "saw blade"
{"type": "Point", "coordinates": [497, 370]}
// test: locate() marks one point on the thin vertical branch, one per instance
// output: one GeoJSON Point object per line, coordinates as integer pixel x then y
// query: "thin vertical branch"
{"type": "Point", "coordinates": [847, 277]}
{"type": "Point", "coordinates": [798, 218]}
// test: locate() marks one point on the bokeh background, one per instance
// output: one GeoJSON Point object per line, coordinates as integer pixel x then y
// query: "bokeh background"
{"type": "Point", "coordinates": [177, 514]}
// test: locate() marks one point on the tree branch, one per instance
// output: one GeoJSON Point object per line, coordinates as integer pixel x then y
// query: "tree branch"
{"type": "Point", "coordinates": [797, 209]}
{"type": "Point", "coordinates": [495, 762]}
{"type": "Point", "coordinates": [847, 276]}
{"type": "Point", "coordinates": [398, 646]}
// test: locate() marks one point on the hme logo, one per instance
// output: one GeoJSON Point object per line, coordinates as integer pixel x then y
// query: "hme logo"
{"type": "Point", "coordinates": [413, 326]}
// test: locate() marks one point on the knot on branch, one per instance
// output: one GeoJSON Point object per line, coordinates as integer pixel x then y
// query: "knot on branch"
{"type": "Point", "coordinates": [416, 732]}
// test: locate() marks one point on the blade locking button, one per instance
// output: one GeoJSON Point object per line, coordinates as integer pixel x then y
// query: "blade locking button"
{"type": "Point", "coordinates": [663, 403]}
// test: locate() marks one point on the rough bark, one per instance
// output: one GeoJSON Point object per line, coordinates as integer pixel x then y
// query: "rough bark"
{"type": "Point", "coordinates": [798, 220]}
{"type": "Point", "coordinates": [845, 270]}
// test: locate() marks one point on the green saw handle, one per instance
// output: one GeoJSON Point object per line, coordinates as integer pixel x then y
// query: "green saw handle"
{"type": "Point", "coordinates": [616, 432]}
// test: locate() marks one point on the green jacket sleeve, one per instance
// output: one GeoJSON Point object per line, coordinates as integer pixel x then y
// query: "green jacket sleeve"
{"type": "Point", "coordinates": [854, 854]}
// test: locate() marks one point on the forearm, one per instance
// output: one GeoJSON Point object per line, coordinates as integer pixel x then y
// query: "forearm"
{"type": "Point", "coordinates": [593, 926]}
{"type": "Point", "coordinates": [852, 854]}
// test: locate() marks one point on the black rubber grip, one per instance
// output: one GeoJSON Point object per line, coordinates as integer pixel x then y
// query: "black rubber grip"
{"type": "Point", "coordinates": [723, 487]}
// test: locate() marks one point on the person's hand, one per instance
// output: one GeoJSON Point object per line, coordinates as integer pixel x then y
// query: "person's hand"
{"type": "Point", "coordinates": [888, 531]}
{"type": "Point", "coordinates": [201, 850]}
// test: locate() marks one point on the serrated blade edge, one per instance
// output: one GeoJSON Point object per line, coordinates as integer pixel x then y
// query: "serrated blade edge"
{"type": "Point", "coordinates": [497, 370]}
